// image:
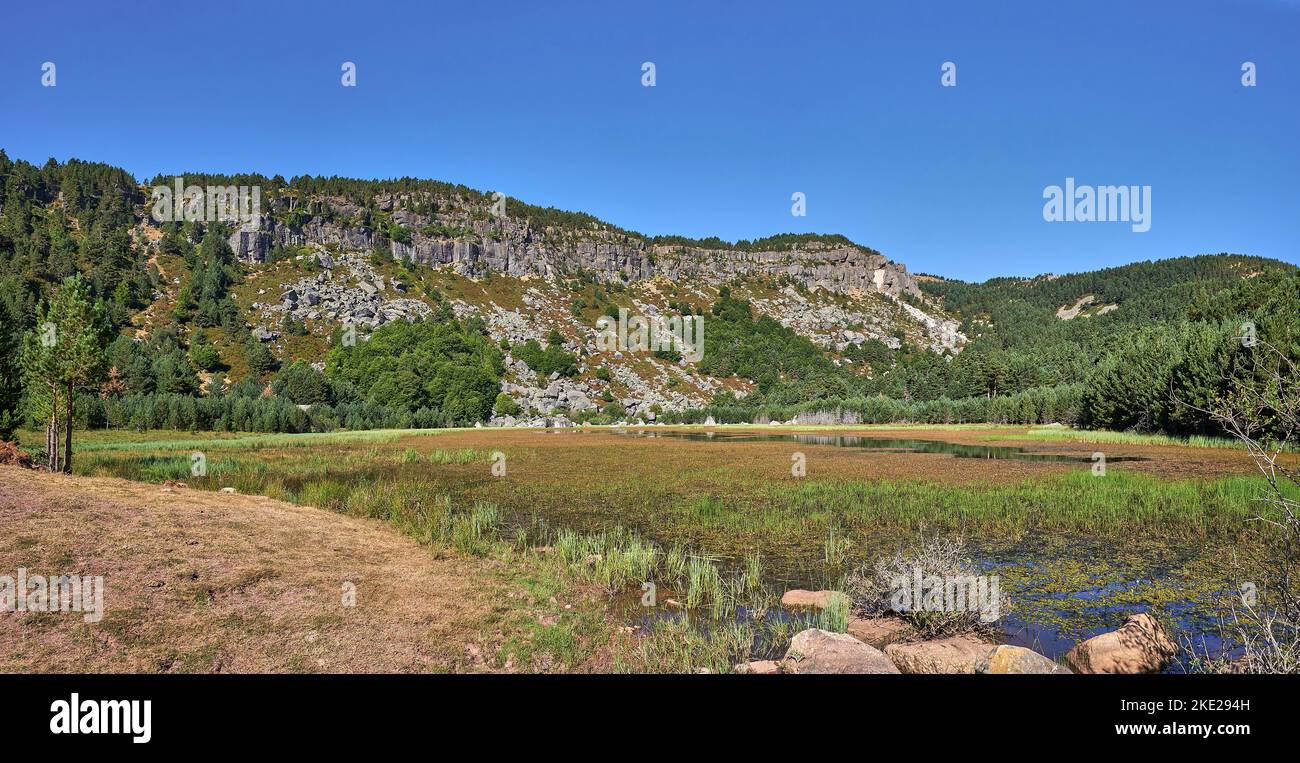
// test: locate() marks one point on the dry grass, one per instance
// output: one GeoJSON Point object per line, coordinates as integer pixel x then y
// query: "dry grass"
{"type": "Point", "coordinates": [211, 582]}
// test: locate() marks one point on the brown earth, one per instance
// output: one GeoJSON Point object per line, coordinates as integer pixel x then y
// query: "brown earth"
{"type": "Point", "coordinates": [198, 581]}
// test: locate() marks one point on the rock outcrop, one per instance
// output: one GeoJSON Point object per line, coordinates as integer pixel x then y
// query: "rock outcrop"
{"type": "Point", "coordinates": [348, 292]}
{"type": "Point", "coordinates": [1140, 645]}
{"type": "Point", "coordinates": [838, 295]}
{"type": "Point", "coordinates": [462, 238]}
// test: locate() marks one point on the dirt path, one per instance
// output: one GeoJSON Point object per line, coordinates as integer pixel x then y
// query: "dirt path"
{"type": "Point", "coordinates": [212, 582]}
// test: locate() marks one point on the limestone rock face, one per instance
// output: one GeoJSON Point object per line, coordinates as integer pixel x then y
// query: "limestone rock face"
{"type": "Point", "coordinates": [251, 242]}
{"type": "Point", "coordinates": [514, 246]}
{"type": "Point", "coordinates": [1140, 645]}
{"type": "Point", "coordinates": [955, 654]}
{"type": "Point", "coordinates": [819, 651]}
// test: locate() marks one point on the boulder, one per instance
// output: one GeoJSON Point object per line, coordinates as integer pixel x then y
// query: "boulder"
{"type": "Point", "coordinates": [879, 632]}
{"type": "Point", "coordinates": [955, 654]}
{"type": "Point", "coordinates": [1006, 659]}
{"type": "Point", "coordinates": [801, 599]}
{"type": "Point", "coordinates": [759, 668]}
{"type": "Point", "coordinates": [819, 651]}
{"type": "Point", "coordinates": [1141, 645]}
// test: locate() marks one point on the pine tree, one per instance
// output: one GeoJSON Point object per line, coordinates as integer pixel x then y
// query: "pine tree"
{"type": "Point", "coordinates": [10, 373]}
{"type": "Point", "coordinates": [63, 354]}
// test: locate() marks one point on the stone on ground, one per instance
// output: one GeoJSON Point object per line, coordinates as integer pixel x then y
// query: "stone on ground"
{"type": "Point", "coordinates": [759, 667]}
{"type": "Point", "coordinates": [818, 651]}
{"type": "Point", "coordinates": [955, 654]}
{"type": "Point", "coordinates": [1006, 659]}
{"type": "Point", "coordinates": [879, 632]}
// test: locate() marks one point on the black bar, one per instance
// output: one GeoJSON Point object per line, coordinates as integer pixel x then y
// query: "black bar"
{"type": "Point", "coordinates": [831, 713]}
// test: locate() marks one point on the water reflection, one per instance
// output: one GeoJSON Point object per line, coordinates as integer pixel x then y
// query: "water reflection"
{"type": "Point", "coordinates": [881, 444]}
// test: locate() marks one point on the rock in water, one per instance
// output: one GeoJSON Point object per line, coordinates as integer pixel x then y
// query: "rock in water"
{"type": "Point", "coordinates": [759, 668]}
{"type": "Point", "coordinates": [819, 651]}
{"type": "Point", "coordinates": [1007, 659]}
{"type": "Point", "coordinates": [801, 599]}
{"type": "Point", "coordinates": [1141, 645]}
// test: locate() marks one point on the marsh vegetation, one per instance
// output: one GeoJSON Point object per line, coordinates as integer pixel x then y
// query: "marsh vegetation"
{"type": "Point", "coordinates": [720, 527]}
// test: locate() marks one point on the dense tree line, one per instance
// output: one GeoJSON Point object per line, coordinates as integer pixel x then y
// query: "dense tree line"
{"type": "Point", "coordinates": [449, 368]}
{"type": "Point", "coordinates": [781, 242]}
{"type": "Point", "coordinates": [59, 220]}
{"type": "Point", "coordinates": [553, 359]}
{"type": "Point", "coordinates": [1168, 376]}
{"type": "Point", "coordinates": [1041, 405]}
{"type": "Point", "coordinates": [1127, 372]}
{"type": "Point", "coordinates": [243, 409]}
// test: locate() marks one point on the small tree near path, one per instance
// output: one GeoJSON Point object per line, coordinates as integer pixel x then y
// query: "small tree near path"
{"type": "Point", "coordinates": [64, 353]}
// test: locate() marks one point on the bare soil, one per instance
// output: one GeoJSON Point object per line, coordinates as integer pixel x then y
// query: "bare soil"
{"type": "Point", "coordinates": [198, 581]}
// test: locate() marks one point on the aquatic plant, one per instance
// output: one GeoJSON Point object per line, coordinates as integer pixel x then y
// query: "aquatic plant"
{"type": "Point", "coordinates": [935, 586]}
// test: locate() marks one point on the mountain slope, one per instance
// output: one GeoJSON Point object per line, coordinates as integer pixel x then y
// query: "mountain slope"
{"type": "Point", "coordinates": [329, 252]}
{"type": "Point", "coordinates": [229, 324]}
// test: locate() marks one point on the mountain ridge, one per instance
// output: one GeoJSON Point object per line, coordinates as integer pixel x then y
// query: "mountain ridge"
{"type": "Point", "coordinates": [791, 318]}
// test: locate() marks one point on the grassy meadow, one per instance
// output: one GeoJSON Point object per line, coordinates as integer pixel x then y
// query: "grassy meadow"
{"type": "Point", "coordinates": [722, 528]}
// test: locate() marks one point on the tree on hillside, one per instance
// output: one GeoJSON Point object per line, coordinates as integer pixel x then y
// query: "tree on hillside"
{"type": "Point", "coordinates": [302, 384]}
{"type": "Point", "coordinates": [1129, 388]}
{"type": "Point", "coordinates": [10, 373]}
{"type": "Point", "coordinates": [450, 372]}
{"type": "Point", "coordinates": [261, 361]}
{"type": "Point", "coordinates": [62, 354]}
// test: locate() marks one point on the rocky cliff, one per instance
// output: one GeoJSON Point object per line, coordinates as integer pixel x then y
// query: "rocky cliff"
{"type": "Point", "coordinates": [474, 241]}
{"type": "Point", "coordinates": [312, 258]}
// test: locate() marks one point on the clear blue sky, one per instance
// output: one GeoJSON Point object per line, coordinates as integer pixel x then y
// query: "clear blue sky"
{"type": "Point", "coordinates": [754, 101]}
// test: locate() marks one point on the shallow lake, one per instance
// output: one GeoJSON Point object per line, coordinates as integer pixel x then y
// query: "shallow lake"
{"type": "Point", "coordinates": [1063, 588]}
{"type": "Point", "coordinates": [894, 445]}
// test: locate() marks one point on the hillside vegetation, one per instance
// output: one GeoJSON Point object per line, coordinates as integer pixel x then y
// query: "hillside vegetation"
{"type": "Point", "coordinates": [1142, 347]}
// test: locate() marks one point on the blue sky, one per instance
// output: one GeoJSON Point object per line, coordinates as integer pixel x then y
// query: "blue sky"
{"type": "Point", "coordinates": [754, 101]}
